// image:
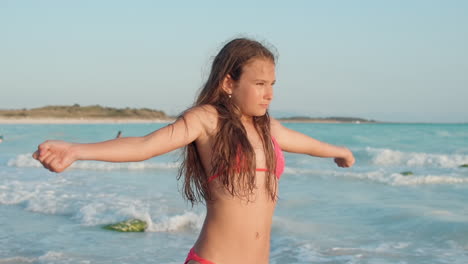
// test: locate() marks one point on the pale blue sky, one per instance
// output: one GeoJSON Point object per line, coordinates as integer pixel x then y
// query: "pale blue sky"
{"type": "Point", "coordinates": [386, 60]}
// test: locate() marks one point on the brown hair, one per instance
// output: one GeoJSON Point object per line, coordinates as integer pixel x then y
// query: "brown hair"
{"type": "Point", "coordinates": [231, 145]}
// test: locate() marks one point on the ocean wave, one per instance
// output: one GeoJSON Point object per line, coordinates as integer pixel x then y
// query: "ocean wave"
{"type": "Point", "coordinates": [98, 213]}
{"type": "Point", "coordinates": [289, 248]}
{"type": "Point", "coordinates": [383, 176]}
{"type": "Point", "coordinates": [399, 179]}
{"type": "Point", "coordinates": [388, 157]}
{"type": "Point", "coordinates": [48, 257]}
{"type": "Point", "coordinates": [188, 220]}
{"type": "Point", "coordinates": [103, 209]}
{"type": "Point", "coordinates": [17, 260]}
{"type": "Point", "coordinates": [297, 250]}
{"type": "Point", "coordinates": [35, 195]}
{"type": "Point", "coordinates": [114, 209]}
{"type": "Point", "coordinates": [26, 161]}
{"type": "Point", "coordinates": [94, 209]}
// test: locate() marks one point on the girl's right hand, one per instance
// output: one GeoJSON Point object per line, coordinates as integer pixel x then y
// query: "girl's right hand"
{"type": "Point", "coordinates": [55, 156]}
{"type": "Point", "coordinates": [347, 160]}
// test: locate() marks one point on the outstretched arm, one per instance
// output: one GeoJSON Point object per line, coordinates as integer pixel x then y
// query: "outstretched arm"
{"type": "Point", "coordinates": [296, 142]}
{"type": "Point", "coordinates": [58, 155]}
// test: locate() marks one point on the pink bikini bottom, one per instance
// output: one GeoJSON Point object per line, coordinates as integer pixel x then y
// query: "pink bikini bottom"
{"type": "Point", "coordinates": [193, 256]}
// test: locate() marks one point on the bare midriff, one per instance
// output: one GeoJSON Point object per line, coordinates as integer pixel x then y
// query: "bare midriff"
{"type": "Point", "coordinates": [236, 230]}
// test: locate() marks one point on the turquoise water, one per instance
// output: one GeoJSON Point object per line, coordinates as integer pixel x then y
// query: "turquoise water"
{"type": "Point", "coordinates": [366, 214]}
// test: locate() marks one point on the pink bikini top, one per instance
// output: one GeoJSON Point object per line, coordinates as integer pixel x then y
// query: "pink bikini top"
{"type": "Point", "coordinates": [279, 162]}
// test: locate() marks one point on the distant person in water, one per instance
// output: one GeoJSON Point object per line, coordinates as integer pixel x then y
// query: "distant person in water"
{"type": "Point", "coordinates": [1, 139]}
{"type": "Point", "coordinates": [233, 157]}
{"type": "Point", "coordinates": [119, 134]}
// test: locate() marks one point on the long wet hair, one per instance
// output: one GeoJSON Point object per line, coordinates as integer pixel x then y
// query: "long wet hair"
{"type": "Point", "coordinates": [233, 157]}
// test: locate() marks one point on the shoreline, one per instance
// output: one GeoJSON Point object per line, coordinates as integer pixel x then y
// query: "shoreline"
{"type": "Point", "coordinates": [6, 121]}
{"type": "Point", "coordinates": [323, 121]}
{"type": "Point", "coordinates": [13, 121]}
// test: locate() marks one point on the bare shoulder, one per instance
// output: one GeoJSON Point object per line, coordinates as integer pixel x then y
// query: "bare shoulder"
{"type": "Point", "coordinates": [206, 115]}
{"type": "Point", "coordinates": [275, 127]}
{"type": "Point", "coordinates": [281, 133]}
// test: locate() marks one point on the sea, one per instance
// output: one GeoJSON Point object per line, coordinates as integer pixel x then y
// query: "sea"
{"type": "Point", "coordinates": [371, 213]}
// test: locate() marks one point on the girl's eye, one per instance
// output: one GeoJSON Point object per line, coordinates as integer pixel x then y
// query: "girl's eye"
{"type": "Point", "coordinates": [260, 83]}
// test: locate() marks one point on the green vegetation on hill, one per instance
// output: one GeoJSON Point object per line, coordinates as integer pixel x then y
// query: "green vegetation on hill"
{"type": "Point", "coordinates": [77, 111]}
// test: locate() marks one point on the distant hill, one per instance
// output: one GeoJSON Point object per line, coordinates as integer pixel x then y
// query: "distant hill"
{"type": "Point", "coordinates": [91, 112]}
{"type": "Point", "coordinates": [100, 112]}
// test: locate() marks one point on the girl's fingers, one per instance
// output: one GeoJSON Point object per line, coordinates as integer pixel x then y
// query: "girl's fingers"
{"type": "Point", "coordinates": [44, 156]}
{"type": "Point", "coordinates": [43, 148]}
{"type": "Point", "coordinates": [48, 160]}
{"type": "Point", "coordinates": [55, 166]}
{"type": "Point", "coordinates": [343, 163]}
{"type": "Point", "coordinates": [339, 162]}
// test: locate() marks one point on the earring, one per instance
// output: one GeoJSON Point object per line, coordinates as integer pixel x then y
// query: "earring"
{"type": "Point", "coordinates": [229, 95]}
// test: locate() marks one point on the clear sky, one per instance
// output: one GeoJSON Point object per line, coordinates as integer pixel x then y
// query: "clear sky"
{"type": "Point", "coordinates": [385, 60]}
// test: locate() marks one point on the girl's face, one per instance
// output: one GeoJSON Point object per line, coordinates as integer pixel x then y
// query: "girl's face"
{"type": "Point", "coordinates": [254, 90]}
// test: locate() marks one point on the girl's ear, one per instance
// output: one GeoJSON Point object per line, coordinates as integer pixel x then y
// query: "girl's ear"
{"type": "Point", "coordinates": [227, 84]}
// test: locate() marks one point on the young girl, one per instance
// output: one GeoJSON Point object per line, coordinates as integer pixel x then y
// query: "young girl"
{"type": "Point", "coordinates": [233, 156]}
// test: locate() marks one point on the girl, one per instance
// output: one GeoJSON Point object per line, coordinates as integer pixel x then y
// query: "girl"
{"type": "Point", "coordinates": [233, 156]}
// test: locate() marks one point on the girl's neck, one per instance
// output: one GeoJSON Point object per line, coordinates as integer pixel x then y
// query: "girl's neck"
{"type": "Point", "coordinates": [247, 120]}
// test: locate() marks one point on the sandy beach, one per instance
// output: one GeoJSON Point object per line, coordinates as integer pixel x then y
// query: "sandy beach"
{"type": "Point", "coordinates": [4, 120]}
{"type": "Point", "coordinates": [78, 120]}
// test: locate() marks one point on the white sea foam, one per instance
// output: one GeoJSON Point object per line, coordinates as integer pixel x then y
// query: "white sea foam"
{"type": "Point", "coordinates": [370, 251]}
{"type": "Point", "coordinates": [289, 249]}
{"type": "Point", "coordinates": [386, 157]}
{"type": "Point", "coordinates": [26, 161]}
{"type": "Point", "coordinates": [17, 260]}
{"type": "Point", "coordinates": [37, 196]}
{"type": "Point", "coordinates": [399, 179]}
{"type": "Point", "coordinates": [13, 192]}
{"type": "Point", "coordinates": [292, 249]}
{"type": "Point", "coordinates": [296, 251]}
{"type": "Point", "coordinates": [88, 209]}
{"type": "Point", "coordinates": [92, 209]}
{"type": "Point", "coordinates": [53, 257]}
{"type": "Point", "coordinates": [110, 208]}
{"type": "Point", "coordinates": [187, 220]}
{"type": "Point", "coordinates": [50, 257]}
{"type": "Point", "coordinates": [99, 213]}
{"type": "Point", "coordinates": [60, 195]}
{"type": "Point", "coordinates": [383, 176]}
{"type": "Point", "coordinates": [308, 252]}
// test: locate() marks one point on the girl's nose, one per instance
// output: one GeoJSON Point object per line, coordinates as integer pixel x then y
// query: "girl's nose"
{"type": "Point", "coordinates": [269, 93]}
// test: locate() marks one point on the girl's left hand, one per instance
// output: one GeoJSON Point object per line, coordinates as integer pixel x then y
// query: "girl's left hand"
{"type": "Point", "coordinates": [55, 155]}
{"type": "Point", "coordinates": [346, 160]}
